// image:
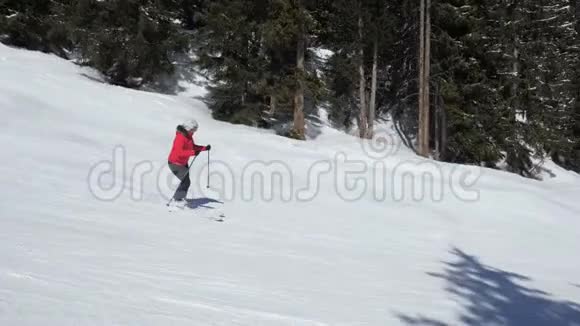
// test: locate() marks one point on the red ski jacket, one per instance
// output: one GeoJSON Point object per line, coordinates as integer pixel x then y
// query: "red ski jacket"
{"type": "Point", "coordinates": [183, 148]}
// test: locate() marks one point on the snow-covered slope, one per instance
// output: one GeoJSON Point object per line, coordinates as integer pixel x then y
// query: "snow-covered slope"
{"type": "Point", "coordinates": [79, 246]}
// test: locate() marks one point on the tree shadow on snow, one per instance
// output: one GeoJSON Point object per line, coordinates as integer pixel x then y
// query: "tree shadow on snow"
{"type": "Point", "coordinates": [202, 202]}
{"type": "Point", "coordinates": [491, 296]}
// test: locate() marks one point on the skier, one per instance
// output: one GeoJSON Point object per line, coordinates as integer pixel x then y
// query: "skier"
{"type": "Point", "coordinates": [183, 148]}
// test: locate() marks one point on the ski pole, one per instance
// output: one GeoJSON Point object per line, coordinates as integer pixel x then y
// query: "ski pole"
{"type": "Point", "coordinates": [191, 164]}
{"type": "Point", "coordinates": [208, 168]}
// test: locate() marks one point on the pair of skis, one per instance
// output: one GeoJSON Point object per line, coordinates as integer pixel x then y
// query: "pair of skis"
{"type": "Point", "coordinates": [218, 216]}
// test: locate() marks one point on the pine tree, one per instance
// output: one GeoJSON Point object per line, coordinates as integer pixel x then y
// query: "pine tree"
{"type": "Point", "coordinates": [464, 84]}
{"type": "Point", "coordinates": [361, 41]}
{"type": "Point", "coordinates": [36, 25]}
{"type": "Point", "coordinates": [567, 153]}
{"type": "Point", "coordinates": [131, 42]}
{"type": "Point", "coordinates": [232, 56]}
{"type": "Point", "coordinates": [257, 62]}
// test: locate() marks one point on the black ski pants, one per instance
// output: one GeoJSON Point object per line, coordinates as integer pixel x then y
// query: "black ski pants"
{"type": "Point", "coordinates": [182, 173]}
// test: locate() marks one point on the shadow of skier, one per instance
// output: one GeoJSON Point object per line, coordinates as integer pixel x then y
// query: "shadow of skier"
{"type": "Point", "coordinates": [202, 203]}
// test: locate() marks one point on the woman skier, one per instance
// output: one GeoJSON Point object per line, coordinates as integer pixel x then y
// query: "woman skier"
{"type": "Point", "coordinates": [183, 148]}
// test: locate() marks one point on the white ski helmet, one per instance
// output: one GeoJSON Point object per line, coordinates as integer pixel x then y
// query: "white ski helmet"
{"type": "Point", "coordinates": [190, 125]}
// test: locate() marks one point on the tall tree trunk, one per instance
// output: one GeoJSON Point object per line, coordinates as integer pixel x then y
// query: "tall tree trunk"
{"type": "Point", "coordinates": [362, 85]}
{"type": "Point", "coordinates": [443, 128]}
{"type": "Point", "coordinates": [421, 149]}
{"type": "Point", "coordinates": [426, 82]}
{"type": "Point", "coordinates": [437, 124]}
{"type": "Point", "coordinates": [244, 92]}
{"type": "Point", "coordinates": [298, 130]}
{"type": "Point", "coordinates": [273, 103]}
{"type": "Point", "coordinates": [514, 9]}
{"type": "Point", "coordinates": [440, 125]}
{"type": "Point", "coordinates": [515, 74]}
{"type": "Point", "coordinates": [373, 100]}
{"type": "Point", "coordinates": [424, 67]}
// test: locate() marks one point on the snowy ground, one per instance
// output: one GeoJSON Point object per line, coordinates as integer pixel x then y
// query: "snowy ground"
{"type": "Point", "coordinates": [79, 246]}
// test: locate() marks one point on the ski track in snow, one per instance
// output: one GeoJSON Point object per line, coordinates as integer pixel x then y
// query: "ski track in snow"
{"type": "Point", "coordinates": [67, 258]}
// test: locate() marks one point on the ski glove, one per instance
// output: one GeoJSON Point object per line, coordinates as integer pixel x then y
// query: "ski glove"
{"type": "Point", "coordinates": [208, 147]}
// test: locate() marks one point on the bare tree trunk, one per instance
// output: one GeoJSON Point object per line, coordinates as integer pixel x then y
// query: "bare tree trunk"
{"type": "Point", "coordinates": [426, 83]}
{"type": "Point", "coordinates": [440, 126]}
{"type": "Point", "coordinates": [443, 124]}
{"type": "Point", "coordinates": [424, 67]}
{"type": "Point", "coordinates": [420, 145]}
{"type": "Point", "coordinates": [515, 63]}
{"type": "Point", "coordinates": [273, 103]}
{"type": "Point", "coordinates": [437, 124]}
{"type": "Point", "coordinates": [243, 97]}
{"type": "Point", "coordinates": [373, 100]}
{"type": "Point", "coordinates": [298, 131]}
{"type": "Point", "coordinates": [362, 85]}
{"type": "Point", "coordinates": [515, 73]}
